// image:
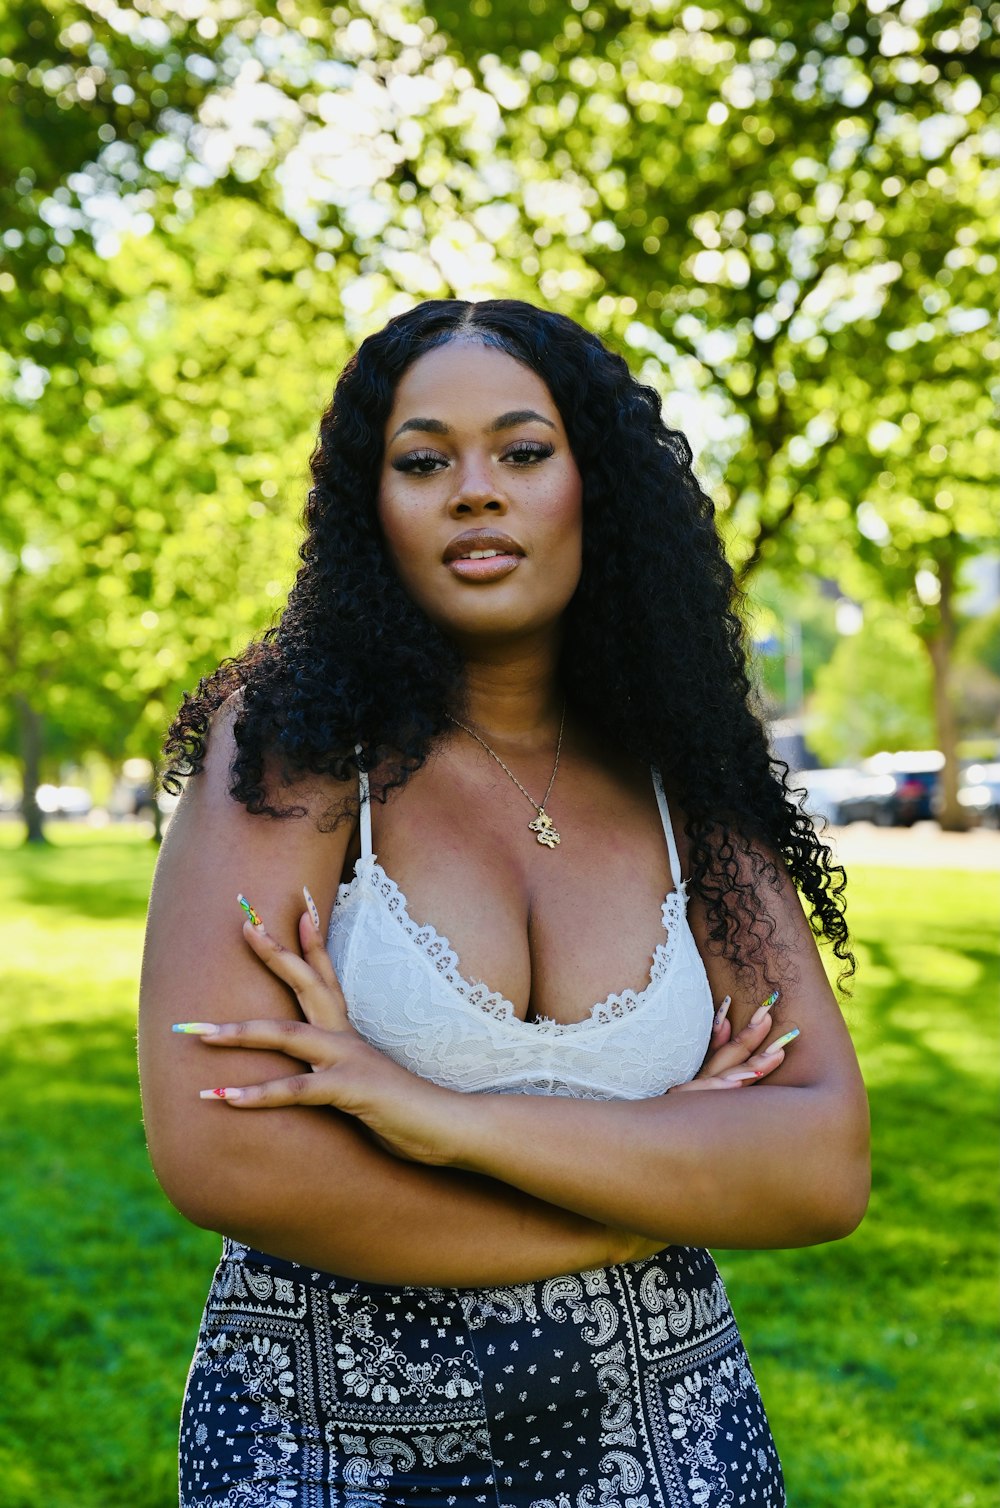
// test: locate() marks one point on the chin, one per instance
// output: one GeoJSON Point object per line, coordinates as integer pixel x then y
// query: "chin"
{"type": "Point", "coordinates": [499, 627]}
{"type": "Point", "coordinates": [496, 621]}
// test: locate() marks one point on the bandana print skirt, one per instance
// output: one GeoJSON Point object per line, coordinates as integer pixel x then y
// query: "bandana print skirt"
{"type": "Point", "coordinates": [625, 1387]}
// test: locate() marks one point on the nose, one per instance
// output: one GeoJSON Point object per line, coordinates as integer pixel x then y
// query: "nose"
{"type": "Point", "coordinates": [477, 491]}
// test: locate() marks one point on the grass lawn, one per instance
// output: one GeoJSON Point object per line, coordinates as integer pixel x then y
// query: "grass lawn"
{"type": "Point", "coordinates": [876, 1356]}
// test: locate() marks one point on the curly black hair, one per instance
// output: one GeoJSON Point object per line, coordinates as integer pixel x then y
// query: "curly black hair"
{"type": "Point", "coordinates": [654, 651]}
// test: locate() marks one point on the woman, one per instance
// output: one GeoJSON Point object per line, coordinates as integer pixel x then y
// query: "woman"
{"type": "Point", "coordinates": [465, 1222]}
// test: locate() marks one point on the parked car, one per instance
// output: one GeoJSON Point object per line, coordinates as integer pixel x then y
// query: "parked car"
{"type": "Point", "coordinates": [826, 790]}
{"type": "Point", "coordinates": [979, 794]}
{"type": "Point", "coordinates": [895, 790]}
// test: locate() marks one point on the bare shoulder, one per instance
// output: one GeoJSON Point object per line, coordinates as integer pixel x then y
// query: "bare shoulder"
{"type": "Point", "coordinates": [196, 962]}
{"type": "Point", "coordinates": [213, 842]}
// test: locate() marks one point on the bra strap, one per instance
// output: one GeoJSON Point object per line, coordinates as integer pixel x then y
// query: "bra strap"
{"type": "Point", "coordinates": [668, 828]}
{"type": "Point", "coordinates": [366, 809]}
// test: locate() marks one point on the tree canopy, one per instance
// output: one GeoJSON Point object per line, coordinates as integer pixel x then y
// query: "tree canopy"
{"type": "Point", "coordinates": [785, 216]}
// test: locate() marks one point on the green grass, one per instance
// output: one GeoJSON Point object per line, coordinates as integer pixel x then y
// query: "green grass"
{"type": "Point", "coordinates": [876, 1356]}
{"type": "Point", "coordinates": [102, 1282]}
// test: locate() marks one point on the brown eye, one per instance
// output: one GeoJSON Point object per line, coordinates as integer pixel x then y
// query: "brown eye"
{"type": "Point", "coordinates": [419, 462]}
{"type": "Point", "coordinates": [528, 452]}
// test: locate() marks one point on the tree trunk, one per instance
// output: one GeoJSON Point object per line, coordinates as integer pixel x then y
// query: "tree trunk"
{"type": "Point", "coordinates": [31, 769]}
{"type": "Point", "coordinates": [940, 645]}
{"type": "Point", "coordinates": [157, 814]}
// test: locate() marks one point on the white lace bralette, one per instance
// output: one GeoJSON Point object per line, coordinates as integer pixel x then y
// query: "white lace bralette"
{"type": "Point", "coordinates": [407, 996]}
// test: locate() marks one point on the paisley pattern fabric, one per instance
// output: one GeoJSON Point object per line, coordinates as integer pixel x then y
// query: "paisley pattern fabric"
{"type": "Point", "coordinates": [625, 1387]}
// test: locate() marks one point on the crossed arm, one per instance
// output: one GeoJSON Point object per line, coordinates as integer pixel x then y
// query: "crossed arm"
{"type": "Point", "coordinates": [477, 1190]}
{"type": "Point", "coordinates": [303, 1183]}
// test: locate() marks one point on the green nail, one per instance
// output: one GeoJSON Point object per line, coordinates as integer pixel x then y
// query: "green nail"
{"type": "Point", "coordinates": [251, 913]}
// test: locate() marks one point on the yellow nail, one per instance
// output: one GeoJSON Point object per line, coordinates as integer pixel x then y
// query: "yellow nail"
{"type": "Point", "coordinates": [782, 1041]}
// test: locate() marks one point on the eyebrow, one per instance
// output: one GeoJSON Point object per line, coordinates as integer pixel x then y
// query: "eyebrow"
{"type": "Point", "coordinates": [505, 421]}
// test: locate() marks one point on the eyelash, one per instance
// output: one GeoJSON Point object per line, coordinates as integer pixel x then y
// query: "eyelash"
{"type": "Point", "coordinates": [411, 461]}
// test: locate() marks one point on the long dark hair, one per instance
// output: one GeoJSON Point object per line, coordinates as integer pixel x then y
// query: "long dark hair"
{"type": "Point", "coordinates": [654, 652]}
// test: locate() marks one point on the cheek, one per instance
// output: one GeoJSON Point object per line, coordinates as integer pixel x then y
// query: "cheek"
{"type": "Point", "coordinates": [401, 533]}
{"type": "Point", "coordinates": [564, 520]}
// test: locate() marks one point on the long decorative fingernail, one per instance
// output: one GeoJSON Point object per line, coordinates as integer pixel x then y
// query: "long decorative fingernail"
{"type": "Point", "coordinates": [220, 1094]}
{"type": "Point", "coordinates": [739, 1078]}
{"type": "Point", "coordinates": [311, 908]}
{"type": "Point", "coordinates": [251, 913]}
{"type": "Point", "coordinates": [195, 1028]}
{"type": "Point", "coordinates": [722, 1012]}
{"type": "Point", "coordinates": [782, 1041]}
{"type": "Point", "coordinates": [764, 1008]}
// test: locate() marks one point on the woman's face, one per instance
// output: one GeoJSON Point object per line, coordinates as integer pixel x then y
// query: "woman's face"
{"type": "Point", "coordinates": [479, 496]}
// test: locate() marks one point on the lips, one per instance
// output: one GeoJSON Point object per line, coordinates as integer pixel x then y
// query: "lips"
{"type": "Point", "coordinates": [483, 555]}
{"type": "Point", "coordinates": [476, 544]}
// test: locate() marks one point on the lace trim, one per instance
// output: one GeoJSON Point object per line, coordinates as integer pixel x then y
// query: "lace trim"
{"type": "Point", "coordinates": [445, 959]}
{"type": "Point", "coordinates": [617, 1006]}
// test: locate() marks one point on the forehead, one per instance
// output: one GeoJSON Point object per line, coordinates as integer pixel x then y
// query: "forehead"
{"type": "Point", "coordinates": [465, 379]}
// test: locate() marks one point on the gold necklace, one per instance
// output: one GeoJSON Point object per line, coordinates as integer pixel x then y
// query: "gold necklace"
{"type": "Point", "coordinates": [543, 826]}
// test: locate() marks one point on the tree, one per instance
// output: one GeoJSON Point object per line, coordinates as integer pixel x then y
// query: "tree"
{"type": "Point", "coordinates": [731, 191]}
{"type": "Point", "coordinates": [919, 480]}
{"type": "Point", "coordinates": [153, 541]}
{"type": "Point", "coordinates": [48, 601]}
{"type": "Point", "coordinates": [792, 212]}
{"type": "Point", "coordinates": [128, 484]}
{"type": "Point", "coordinates": [850, 714]}
{"type": "Point", "coordinates": [977, 674]}
{"type": "Point", "coordinates": [765, 206]}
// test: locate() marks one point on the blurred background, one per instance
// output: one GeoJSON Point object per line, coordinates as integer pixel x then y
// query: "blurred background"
{"type": "Point", "coordinates": [786, 216]}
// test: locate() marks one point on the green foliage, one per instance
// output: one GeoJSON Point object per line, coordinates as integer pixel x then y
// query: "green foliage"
{"type": "Point", "coordinates": [873, 694]}
{"type": "Point", "coordinates": [205, 428]}
{"type": "Point", "coordinates": [143, 546]}
{"type": "Point", "coordinates": [778, 606]}
{"type": "Point", "coordinates": [980, 642]}
{"type": "Point", "coordinates": [785, 215]}
{"type": "Point", "coordinates": [103, 1282]}
{"type": "Point", "coordinates": [761, 206]}
{"type": "Point", "coordinates": [977, 678]}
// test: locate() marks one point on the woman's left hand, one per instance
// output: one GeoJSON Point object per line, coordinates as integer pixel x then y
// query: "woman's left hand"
{"type": "Point", "coordinates": [746, 1058]}
{"type": "Point", "coordinates": [409, 1116]}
